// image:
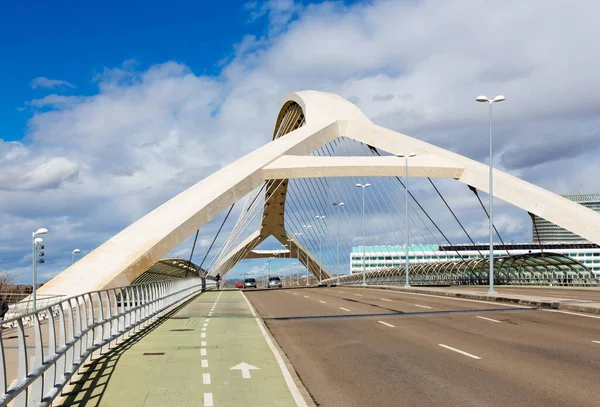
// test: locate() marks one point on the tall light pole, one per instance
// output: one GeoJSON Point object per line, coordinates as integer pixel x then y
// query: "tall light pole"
{"type": "Point", "coordinates": [320, 217]}
{"type": "Point", "coordinates": [40, 231]}
{"type": "Point", "coordinates": [298, 255]}
{"type": "Point", "coordinates": [307, 259]}
{"type": "Point", "coordinates": [497, 99]}
{"type": "Point", "coordinates": [73, 256]}
{"type": "Point", "coordinates": [406, 264]}
{"type": "Point", "coordinates": [365, 186]}
{"type": "Point", "coordinates": [338, 205]}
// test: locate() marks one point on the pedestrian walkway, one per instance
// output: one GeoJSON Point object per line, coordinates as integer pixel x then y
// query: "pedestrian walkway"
{"type": "Point", "coordinates": [212, 352]}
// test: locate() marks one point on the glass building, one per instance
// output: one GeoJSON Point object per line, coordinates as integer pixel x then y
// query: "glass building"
{"type": "Point", "coordinates": [545, 231]}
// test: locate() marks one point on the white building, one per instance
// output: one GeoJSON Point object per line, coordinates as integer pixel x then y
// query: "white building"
{"type": "Point", "coordinates": [378, 257]}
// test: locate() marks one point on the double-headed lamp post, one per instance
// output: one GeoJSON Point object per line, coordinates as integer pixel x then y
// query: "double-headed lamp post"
{"type": "Point", "coordinates": [363, 187]}
{"type": "Point", "coordinates": [73, 255]}
{"type": "Point", "coordinates": [338, 205]}
{"type": "Point", "coordinates": [40, 231]}
{"type": "Point", "coordinates": [497, 99]}
{"type": "Point", "coordinates": [320, 217]}
{"type": "Point", "coordinates": [406, 263]}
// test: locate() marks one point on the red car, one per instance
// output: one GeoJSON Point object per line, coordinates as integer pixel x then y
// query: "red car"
{"type": "Point", "coordinates": [239, 285]}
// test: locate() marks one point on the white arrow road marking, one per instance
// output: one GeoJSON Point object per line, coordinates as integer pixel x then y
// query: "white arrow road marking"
{"type": "Point", "coordinates": [245, 368]}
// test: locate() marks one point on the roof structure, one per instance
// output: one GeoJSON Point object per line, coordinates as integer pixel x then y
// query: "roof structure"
{"type": "Point", "coordinates": [518, 269]}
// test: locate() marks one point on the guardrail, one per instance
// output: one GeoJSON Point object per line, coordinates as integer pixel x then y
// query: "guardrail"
{"type": "Point", "coordinates": [25, 305]}
{"type": "Point", "coordinates": [87, 324]}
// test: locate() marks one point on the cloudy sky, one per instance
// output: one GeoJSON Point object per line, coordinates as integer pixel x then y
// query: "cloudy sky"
{"type": "Point", "coordinates": [107, 112]}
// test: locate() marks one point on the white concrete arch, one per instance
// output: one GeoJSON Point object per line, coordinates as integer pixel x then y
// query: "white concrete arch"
{"type": "Point", "coordinates": [128, 254]}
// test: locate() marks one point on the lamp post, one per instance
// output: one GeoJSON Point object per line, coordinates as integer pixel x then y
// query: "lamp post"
{"type": "Point", "coordinates": [320, 217]}
{"type": "Point", "coordinates": [338, 205]}
{"type": "Point", "coordinates": [40, 231]}
{"type": "Point", "coordinates": [406, 157]}
{"type": "Point", "coordinates": [363, 186]}
{"type": "Point", "coordinates": [298, 256]}
{"type": "Point", "coordinates": [483, 99]}
{"type": "Point", "coordinates": [307, 259]}
{"type": "Point", "coordinates": [73, 256]}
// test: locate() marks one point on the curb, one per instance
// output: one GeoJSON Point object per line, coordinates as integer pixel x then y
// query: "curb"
{"type": "Point", "coordinates": [547, 303]}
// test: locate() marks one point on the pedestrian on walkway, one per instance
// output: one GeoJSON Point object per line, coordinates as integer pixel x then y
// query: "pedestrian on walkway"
{"type": "Point", "coordinates": [3, 308]}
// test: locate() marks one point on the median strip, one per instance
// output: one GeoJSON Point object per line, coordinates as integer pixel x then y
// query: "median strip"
{"type": "Point", "coordinates": [458, 351]}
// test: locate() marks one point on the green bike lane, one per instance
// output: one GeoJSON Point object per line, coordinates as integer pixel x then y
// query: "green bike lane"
{"type": "Point", "coordinates": [187, 360]}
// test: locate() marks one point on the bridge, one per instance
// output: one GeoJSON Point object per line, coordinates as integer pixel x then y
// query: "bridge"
{"type": "Point", "coordinates": [399, 313]}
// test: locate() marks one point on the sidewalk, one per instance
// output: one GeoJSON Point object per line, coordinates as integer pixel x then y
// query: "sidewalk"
{"type": "Point", "coordinates": [566, 303]}
{"type": "Point", "coordinates": [187, 361]}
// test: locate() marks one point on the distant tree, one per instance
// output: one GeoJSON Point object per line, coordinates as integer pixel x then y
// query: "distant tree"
{"type": "Point", "coordinates": [6, 280]}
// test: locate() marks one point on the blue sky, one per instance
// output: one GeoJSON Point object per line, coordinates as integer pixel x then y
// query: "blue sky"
{"type": "Point", "coordinates": [141, 100]}
{"type": "Point", "coordinates": [74, 41]}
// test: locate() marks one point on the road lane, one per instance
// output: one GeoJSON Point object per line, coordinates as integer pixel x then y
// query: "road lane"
{"type": "Point", "coordinates": [529, 358]}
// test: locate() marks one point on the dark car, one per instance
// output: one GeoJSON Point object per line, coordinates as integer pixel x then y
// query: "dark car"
{"type": "Point", "coordinates": [249, 283]}
{"type": "Point", "coordinates": [274, 282]}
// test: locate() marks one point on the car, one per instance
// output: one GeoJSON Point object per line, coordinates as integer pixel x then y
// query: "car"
{"type": "Point", "coordinates": [239, 285]}
{"type": "Point", "coordinates": [274, 282]}
{"type": "Point", "coordinates": [249, 283]}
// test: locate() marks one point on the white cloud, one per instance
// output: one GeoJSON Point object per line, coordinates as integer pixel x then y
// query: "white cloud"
{"type": "Point", "coordinates": [43, 82]}
{"type": "Point", "coordinates": [99, 162]}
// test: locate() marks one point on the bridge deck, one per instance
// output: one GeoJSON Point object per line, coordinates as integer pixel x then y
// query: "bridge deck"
{"type": "Point", "coordinates": [186, 360]}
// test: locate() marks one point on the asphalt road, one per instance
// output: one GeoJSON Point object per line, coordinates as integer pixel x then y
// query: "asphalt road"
{"type": "Point", "coordinates": [365, 347]}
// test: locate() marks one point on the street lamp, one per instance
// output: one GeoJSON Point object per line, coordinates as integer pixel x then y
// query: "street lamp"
{"type": "Point", "coordinates": [364, 283]}
{"type": "Point", "coordinates": [406, 157]}
{"type": "Point", "coordinates": [307, 259]}
{"type": "Point", "coordinates": [298, 255]}
{"type": "Point", "coordinates": [497, 99]}
{"type": "Point", "coordinates": [40, 231]}
{"type": "Point", "coordinates": [320, 217]}
{"type": "Point", "coordinates": [73, 256]}
{"type": "Point", "coordinates": [337, 216]}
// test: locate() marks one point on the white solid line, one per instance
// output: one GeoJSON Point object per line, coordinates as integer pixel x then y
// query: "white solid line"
{"type": "Point", "coordinates": [572, 313]}
{"type": "Point", "coordinates": [202, 335]}
{"type": "Point", "coordinates": [386, 324]}
{"type": "Point", "coordinates": [596, 341]}
{"type": "Point", "coordinates": [422, 306]}
{"type": "Point", "coordinates": [286, 374]}
{"type": "Point", "coordinates": [203, 343]}
{"type": "Point", "coordinates": [322, 302]}
{"type": "Point", "coordinates": [345, 309]}
{"type": "Point", "coordinates": [208, 401]}
{"type": "Point", "coordinates": [458, 351]}
{"type": "Point", "coordinates": [489, 319]}
{"type": "Point", "coordinates": [204, 363]}
{"type": "Point", "coordinates": [385, 299]}
{"type": "Point", "coordinates": [205, 378]}
{"type": "Point", "coordinates": [203, 352]}
{"type": "Point", "coordinates": [306, 296]}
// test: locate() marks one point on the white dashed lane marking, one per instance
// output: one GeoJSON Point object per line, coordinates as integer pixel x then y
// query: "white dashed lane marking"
{"type": "Point", "coordinates": [489, 319]}
{"type": "Point", "coordinates": [422, 306]}
{"type": "Point", "coordinates": [386, 324]}
{"type": "Point", "coordinates": [344, 309]}
{"type": "Point", "coordinates": [205, 378]}
{"type": "Point", "coordinates": [458, 351]}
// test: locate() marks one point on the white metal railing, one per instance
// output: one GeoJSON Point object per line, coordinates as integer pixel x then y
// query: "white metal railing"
{"type": "Point", "coordinates": [25, 305]}
{"type": "Point", "coordinates": [87, 323]}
